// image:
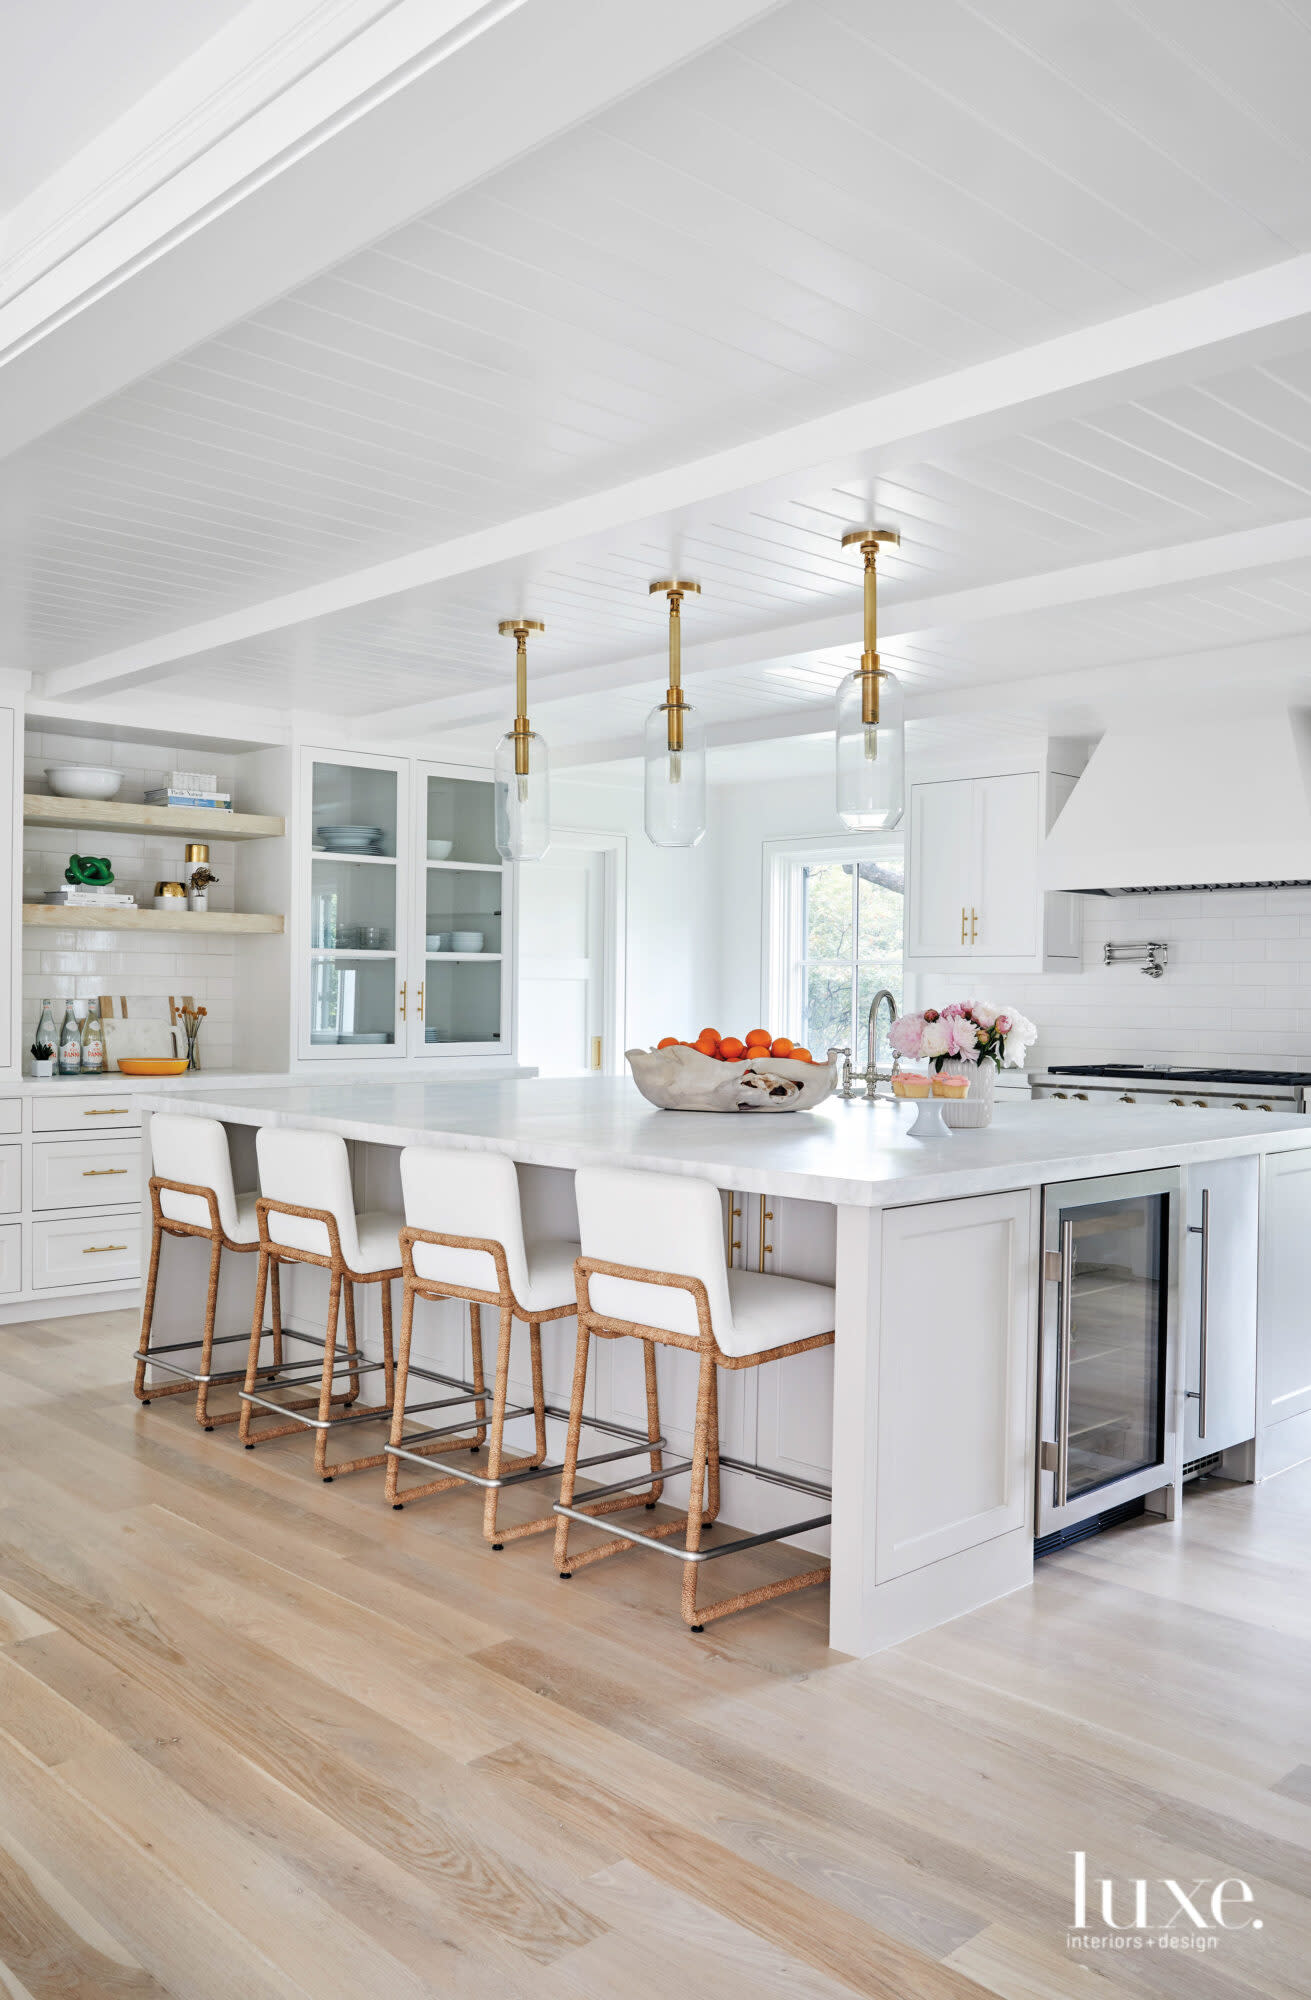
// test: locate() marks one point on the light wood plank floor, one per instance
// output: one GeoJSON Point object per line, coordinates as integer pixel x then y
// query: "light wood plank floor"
{"type": "Point", "coordinates": [261, 1737]}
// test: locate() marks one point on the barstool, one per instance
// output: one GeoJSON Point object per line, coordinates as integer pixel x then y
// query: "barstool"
{"type": "Point", "coordinates": [631, 1224]}
{"type": "Point", "coordinates": [464, 1239]}
{"type": "Point", "coordinates": [192, 1193]}
{"type": "Point", "coordinates": [306, 1215]}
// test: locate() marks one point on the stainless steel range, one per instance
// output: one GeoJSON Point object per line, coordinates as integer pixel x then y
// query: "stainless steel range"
{"type": "Point", "coordinates": [1176, 1083]}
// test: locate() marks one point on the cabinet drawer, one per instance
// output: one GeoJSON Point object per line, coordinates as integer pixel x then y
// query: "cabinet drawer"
{"type": "Point", "coordinates": [11, 1179]}
{"type": "Point", "coordinates": [78, 1174]}
{"type": "Point", "coordinates": [11, 1257]}
{"type": "Point", "coordinates": [11, 1116]}
{"type": "Point", "coordinates": [112, 1112]}
{"type": "Point", "coordinates": [86, 1251]}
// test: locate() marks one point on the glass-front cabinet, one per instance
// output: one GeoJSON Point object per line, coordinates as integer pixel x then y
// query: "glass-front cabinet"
{"type": "Point", "coordinates": [406, 911]}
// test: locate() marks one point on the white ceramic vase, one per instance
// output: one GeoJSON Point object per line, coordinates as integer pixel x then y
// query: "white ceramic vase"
{"type": "Point", "coordinates": [971, 1113]}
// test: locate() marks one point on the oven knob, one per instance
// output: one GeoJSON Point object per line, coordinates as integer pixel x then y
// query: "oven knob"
{"type": "Point", "coordinates": [1176, 1100]}
{"type": "Point", "coordinates": [1265, 1107]}
{"type": "Point", "coordinates": [1126, 1099]}
{"type": "Point", "coordinates": [1201, 1104]}
{"type": "Point", "coordinates": [1060, 1093]}
{"type": "Point", "coordinates": [1242, 1107]}
{"type": "Point", "coordinates": [1081, 1097]}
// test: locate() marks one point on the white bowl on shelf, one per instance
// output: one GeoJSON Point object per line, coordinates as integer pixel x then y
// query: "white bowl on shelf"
{"type": "Point", "coordinates": [437, 941]}
{"type": "Point", "coordinates": [467, 940]}
{"type": "Point", "coordinates": [82, 781]}
{"type": "Point", "coordinates": [439, 850]}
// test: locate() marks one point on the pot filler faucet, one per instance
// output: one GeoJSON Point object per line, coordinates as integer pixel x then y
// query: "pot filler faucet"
{"type": "Point", "coordinates": [873, 1076]}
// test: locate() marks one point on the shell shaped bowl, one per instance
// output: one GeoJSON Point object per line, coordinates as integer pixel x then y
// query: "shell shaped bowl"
{"type": "Point", "coordinates": [682, 1079]}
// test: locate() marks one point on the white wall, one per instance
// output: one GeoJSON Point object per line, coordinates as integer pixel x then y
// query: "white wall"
{"type": "Point", "coordinates": [670, 970]}
{"type": "Point", "coordinates": [1237, 987]}
{"type": "Point", "coordinates": [742, 818]}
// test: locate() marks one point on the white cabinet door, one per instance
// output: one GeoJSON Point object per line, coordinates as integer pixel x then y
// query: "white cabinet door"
{"type": "Point", "coordinates": [357, 991]}
{"type": "Point", "coordinates": [1283, 1322]}
{"type": "Point", "coordinates": [11, 785]}
{"type": "Point", "coordinates": [1231, 1187]}
{"type": "Point", "coordinates": [942, 873]}
{"type": "Point", "coordinates": [956, 1424]}
{"type": "Point", "coordinates": [1006, 842]}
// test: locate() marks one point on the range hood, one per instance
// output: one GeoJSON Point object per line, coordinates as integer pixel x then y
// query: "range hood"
{"type": "Point", "coordinates": [1176, 805]}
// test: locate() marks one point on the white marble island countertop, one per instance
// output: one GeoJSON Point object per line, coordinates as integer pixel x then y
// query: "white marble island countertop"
{"type": "Point", "coordinates": [848, 1153]}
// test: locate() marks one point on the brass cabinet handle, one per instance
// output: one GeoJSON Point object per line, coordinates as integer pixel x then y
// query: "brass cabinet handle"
{"type": "Point", "coordinates": [107, 1111]}
{"type": "Point", "coordinates": [963, 938]}
{"type": "Point", "coordinates": [98, 1249]}
{"type": "Point", "coordinates": [91, 1173]}
{"type": "Point", "coordinates": [404, 991]}
{"type": "Point", "coordinates": [1203, 1230]}
{"type": "Point", "coordinates": [974, 925]}
{"type": "Point", "coordinates": [421, 987]}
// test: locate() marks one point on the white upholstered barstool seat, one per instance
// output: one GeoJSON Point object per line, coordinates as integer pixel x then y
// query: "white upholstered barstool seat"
{"type": "Point", "coordinates": [464, 1239]}
{"type": "Point", "coordinates": [192, 1193]}
{"type": "Point", "coordinates": [652, 1267]}
{"type": "Point", "coordinates": [306, 1215]}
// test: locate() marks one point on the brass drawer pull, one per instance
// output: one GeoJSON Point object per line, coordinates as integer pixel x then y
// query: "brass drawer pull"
{"type": "Point", "coordinates": [98, 1249]}
{"type": "Point", "coordinates": [108, 1111]}
{"type": "Point", "coordinates": [89, 1173]}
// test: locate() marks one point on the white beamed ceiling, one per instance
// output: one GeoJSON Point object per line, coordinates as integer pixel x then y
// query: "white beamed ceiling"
{"type": "Point", "coordinates": [837, 204]}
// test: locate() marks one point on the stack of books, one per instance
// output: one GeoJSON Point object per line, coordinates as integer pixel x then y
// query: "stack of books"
{"type": "Point", "coordinates": [77, 895]}
{"type": "Point", "coordinates": [197, 789]}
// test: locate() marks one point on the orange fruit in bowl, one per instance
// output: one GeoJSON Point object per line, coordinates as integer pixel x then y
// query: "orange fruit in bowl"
{"type": "Point", "coordinates": [669, 1042]}
{"type": "Point", "coordinates": [780, 1046]}
{"type": "Point", "coordinates": [802, 1055]}
{"type": "Point", "coordinates": [758, 1038]}
{"type": "Point", "coordinates": [732, 1050]}
{"type": "Point", "coordinates": [710, 1035]}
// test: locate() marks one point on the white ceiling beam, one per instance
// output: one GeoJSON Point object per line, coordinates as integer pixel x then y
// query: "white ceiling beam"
{"type": "Point", "coordinates": [777, 726]}
{"type": "Point", "coordinates": [1241, 320]}
{"type": "Point", "coordinates": [1245, 552]}
{"type": "Point", "coordinates": [310, 153]}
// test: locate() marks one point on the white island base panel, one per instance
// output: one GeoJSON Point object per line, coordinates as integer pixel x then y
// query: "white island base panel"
{"type": "Point", "coordinates": [922, 1414]}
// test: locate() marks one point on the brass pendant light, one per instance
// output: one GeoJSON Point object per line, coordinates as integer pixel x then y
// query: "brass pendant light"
{"type": "Point", "coordinates": [521, 768]}
{"type": "Point", "coordinates": [871, 733]}
{"type": "Point", "coordinates": [674, 744]}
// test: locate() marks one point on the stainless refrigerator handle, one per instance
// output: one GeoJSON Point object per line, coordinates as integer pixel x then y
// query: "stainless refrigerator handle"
{"type": "Point", "coordinates": [1065, 1343]}
{"type": "Point", "coordinates": [1204, 1231]}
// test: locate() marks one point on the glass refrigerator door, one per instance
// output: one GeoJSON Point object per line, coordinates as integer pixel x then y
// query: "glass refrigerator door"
{"type": "Point", "coordinates": [1118, 1262]}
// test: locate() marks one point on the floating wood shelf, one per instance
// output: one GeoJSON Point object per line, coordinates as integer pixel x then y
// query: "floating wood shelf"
{"type": "Point", "coordinates": [230, 923]}
{"type": "Point", "coordinates": [111, 816]}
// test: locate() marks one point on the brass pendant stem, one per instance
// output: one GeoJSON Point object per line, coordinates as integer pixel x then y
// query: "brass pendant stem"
{"type": "Point", "coordinates": [520, 628]}
{"type": "Point", "coordinates": [867, 540]}
{"type": "Point", "coordinates": [675, 703]}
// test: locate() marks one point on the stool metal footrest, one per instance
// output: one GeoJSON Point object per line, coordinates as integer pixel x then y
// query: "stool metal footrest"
{"type": "Point", "coordinates": [670, 1548]}
{"type": "Point", "coordinates": [665, 1547]}
{"type": "Point", "coordinates": [375, 1411]}
{"type": "Point", "coordinates": [153, 1357]}
{"type": "Point", "coordinates": [533, 1471]}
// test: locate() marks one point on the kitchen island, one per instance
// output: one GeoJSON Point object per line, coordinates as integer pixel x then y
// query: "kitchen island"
{"type": "Point", "coordinates": [924, 1412]}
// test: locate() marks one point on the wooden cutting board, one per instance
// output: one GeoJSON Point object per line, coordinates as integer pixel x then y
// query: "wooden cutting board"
{"type": "Point", "coordinates": [139, 1038]}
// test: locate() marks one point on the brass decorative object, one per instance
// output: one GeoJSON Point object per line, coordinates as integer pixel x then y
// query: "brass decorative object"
{"type": "Point", "coordinates": [520, 770]}
{"type": "Point", "coordinates": [675, 744]}
{"type": "Point", "coordinates": [870, 739]}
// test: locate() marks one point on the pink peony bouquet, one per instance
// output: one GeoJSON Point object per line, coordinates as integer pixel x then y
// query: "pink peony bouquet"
{"type": "Point", "coordinates": [966, 1030]}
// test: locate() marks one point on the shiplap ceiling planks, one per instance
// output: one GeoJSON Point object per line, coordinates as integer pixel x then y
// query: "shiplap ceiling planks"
{"type": "Point", "coordinates": [839, 201]}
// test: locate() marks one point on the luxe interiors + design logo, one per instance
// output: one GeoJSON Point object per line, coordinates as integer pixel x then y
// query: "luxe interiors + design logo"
{"type": "Point", "coordinates": [1142, 1913]}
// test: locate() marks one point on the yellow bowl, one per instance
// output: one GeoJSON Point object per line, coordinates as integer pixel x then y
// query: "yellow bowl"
{"type": "Point", "coordinates": [152, 1065]}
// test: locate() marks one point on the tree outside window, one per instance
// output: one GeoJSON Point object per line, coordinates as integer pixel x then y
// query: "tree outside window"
{"type": "Point", "coordinates": [846, 933]}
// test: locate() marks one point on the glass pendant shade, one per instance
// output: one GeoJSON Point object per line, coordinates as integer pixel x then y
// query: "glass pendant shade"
{"type": "Point", "coordinates": [522, 797]}
{"type": "Point", "coordinates": [675, 778]}
{"type": "Point", "coordinates": [871, 754]}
